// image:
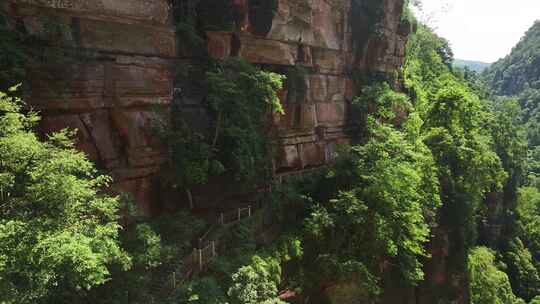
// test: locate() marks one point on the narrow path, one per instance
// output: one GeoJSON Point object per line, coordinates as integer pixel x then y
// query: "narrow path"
{"type": "Point", "coordinates": [184, 268]}
{"type": "Point", "coordinates": [208, 243]}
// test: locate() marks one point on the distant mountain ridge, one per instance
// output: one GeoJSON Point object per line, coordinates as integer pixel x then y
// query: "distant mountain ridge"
{"type": "Point", "coordinates": [518, 75]}
{"type": "Point", "coordinates": [477, 66]}
{"type": "Point", "coordinates": [520, 70]}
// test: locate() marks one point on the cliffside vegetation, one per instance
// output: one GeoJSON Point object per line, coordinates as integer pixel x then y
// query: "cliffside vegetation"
{"type": "Point", "coordinates": [240, 102]}
{"type": "Point", "coordinates": [518, 75]}
{"type": "Point", "coordinates": [426, 166]}
{"type": "Point", "coordinates": [440, 158]}
{"type": "Point", "coordinates": [58, 231]}
{"type": "Point", "coordinates": [512, 85]}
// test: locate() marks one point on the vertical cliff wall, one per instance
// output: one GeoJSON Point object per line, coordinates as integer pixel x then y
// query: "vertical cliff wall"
{"type": "Point", "coordinates": [117, 66]}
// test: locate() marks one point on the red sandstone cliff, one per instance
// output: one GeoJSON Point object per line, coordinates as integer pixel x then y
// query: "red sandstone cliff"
{"type": "Point", "coordinates": [126, 70]}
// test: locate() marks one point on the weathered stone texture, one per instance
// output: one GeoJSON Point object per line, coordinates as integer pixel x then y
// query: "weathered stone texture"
{"type": "Point", "coordinates": [154, 11]}
{"type": "Point", "coordinates": [127, 38]}
{"type": "Point", "coordinates": [385, 52]}
{"type": "Point", "coordinates": [113, 96]}
{"type": "Point", "coordinates": [219, 44]}
{"type": "Point", "coordinates": [265, 51]}
{"type": "Point", "coordinates": [316, 34]}
{"type": "Point", "coordinates": [130, 49]}
{"type": "Point", "coordinates": [317, 23]}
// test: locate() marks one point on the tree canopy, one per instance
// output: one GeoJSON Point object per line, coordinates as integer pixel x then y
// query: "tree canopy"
{"type": "Point", "coordinates": [58, 230]}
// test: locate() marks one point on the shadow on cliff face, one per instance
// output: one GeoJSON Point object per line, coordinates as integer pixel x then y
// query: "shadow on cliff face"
{"type": "Point", "coordinates": [261, 14]}
{"type": "Point", "coordinates": [365, 17]}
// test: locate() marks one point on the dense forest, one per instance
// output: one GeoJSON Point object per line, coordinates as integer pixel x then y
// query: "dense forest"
{"type": "Point", "coordinates": [438, 152]}
{"type": "Point", "coordinates": [518, 76]}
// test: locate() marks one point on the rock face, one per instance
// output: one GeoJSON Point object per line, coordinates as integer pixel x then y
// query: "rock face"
{"type": "Point", "coordinates": [316, 35]}
{"type": "Point", "coordinates": [130, 50]}
{"type": "Point", "coordinates": [113, 95]}
{"type": "Point", "coordinates": [124, 80]}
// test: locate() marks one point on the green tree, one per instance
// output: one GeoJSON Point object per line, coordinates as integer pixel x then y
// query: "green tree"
{"type": "Point", "coordinates": [206, 290]}
{"type": "Point", "coordinates": [387, 192]}
{"type": "Point", "coordinates": [528, 210]}
{"type": "Point", "coordinates": [240, 101]}
{"type": "Point", "coordinates": [468, 167]}
{"type": "Point", "coordinates": [58, 230]}
{"type": "Point", "coordinates": [488, 284]}
{"type": "Point", "coordinates": [456, 130]}
{"type": "Point", "coordinates": [521, 271]}
{"type": "Point", "coordinates": [536, 300]}
{"type": "Point", "coordinates": [510, 144]}
{"type": "Point", "coordinates": [257, 282]}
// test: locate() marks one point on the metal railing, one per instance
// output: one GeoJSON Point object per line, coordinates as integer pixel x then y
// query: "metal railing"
{"type": "Point", "coordinates": [283, 177]}
{"type": "Point", "coordinates": [202, 254]}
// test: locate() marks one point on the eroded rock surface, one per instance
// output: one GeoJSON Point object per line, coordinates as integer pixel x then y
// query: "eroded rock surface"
{"type": "Point", "coordinates": [127, 77]}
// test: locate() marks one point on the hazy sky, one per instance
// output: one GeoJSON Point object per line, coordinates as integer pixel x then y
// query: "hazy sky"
{"type": "Point", "coordinates": [483, 30]}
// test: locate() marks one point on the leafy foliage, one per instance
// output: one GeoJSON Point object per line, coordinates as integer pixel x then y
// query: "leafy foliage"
{"type": "Point", "coordinates": [257, 282]}
{"type": "Point", "coordinates": [58, 231]}
{"type": "Point", "coordinates": [519, 70]}
{"type": "Point", "coordinates": [245, 273]}
{"type": "Point", "coordinates": [241, 99]}
{"type": "Point", "coordinates": [477, 145]}
{"type": "Point", "coordinates": [468, 166]}
{"type": "Point", "coordinates": [380, 214]}
{"type": "Point", "coordinates": [155, 245]}
{"type": "Point", "coordinates": [61, 240]}
{"type": "Point", "coordinates": [523, 275]}
{"type": "Point", "coordinates": [206, 290]}
{"type": "Point", "coordinates": [369, 213]}
{"type": "Point", "coordinates": [518, 75]}
{"type": "Point", "coordinates": [488, 284]}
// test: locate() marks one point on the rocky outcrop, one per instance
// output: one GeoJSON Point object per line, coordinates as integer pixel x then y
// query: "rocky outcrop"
{"type": "Point", "coordinates": [113, 88]}
{"type": "Point", "coordinates": [316, 35]}
{"type": "Point", "coordinates": [116, 75]}
{"type": "Point", "coordinates": [122, 75]}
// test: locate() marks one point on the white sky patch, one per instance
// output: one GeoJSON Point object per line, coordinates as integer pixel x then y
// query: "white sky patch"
{"type": "Point", "coordinates": [482, 30]}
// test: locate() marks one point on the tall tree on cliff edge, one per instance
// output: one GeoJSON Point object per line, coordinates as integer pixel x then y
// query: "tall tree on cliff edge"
{"type": "Point", "coordinates": [467, 149]}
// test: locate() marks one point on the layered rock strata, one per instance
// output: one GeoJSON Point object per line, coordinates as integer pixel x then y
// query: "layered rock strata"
{"type": "Point", "coordinates": [127, 52]}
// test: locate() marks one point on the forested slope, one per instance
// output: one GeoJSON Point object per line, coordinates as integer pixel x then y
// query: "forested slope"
{"type": "Point", "coordinates": [476, 66]}
{"type": "Point", "coordinates": [418, 205]}
{"type": "Point", "coordinates": [519, 71]}
{"type": "Point", "coordinates": [518, 75]}
{"type": "Point", "coordinates": [514, 83]}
